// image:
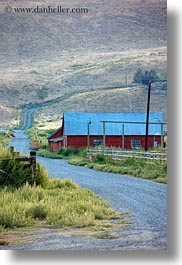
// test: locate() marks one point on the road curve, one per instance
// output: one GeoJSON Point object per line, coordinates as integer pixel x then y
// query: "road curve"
{"type": "Point", "coordinates": [27, 118]}
{"type": "Point", "coordinates": [145, 200]}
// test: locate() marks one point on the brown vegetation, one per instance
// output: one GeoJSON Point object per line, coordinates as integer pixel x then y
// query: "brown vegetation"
{"type": "Point", "coordinates": [44, 56]}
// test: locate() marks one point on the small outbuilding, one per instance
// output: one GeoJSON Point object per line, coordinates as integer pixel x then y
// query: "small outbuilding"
{"type": "Point", "coordinates": [124, 130]}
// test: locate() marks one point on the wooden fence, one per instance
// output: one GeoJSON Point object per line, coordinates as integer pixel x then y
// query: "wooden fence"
{"type": "Point", "coordinates": [119, 154]}
{"type": "Point", "coordinates": [31, 159]}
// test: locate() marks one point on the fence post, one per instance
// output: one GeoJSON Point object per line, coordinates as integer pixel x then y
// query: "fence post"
{"type": "Point", "coordinates": [122, 137]}
{"type": "Point", "coordinates": [33, 163]}
{"type": "Point", "coordinates": [162, 140]}
{"type": "Point", "coordinates": [11, 148]}
{"type": "Point", "coordinates": [16, 154]}
{"type": "Point", "coordinates": [104, 134]}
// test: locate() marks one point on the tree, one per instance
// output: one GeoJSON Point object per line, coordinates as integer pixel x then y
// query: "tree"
{"type": "Point", "coordinates": [138, 76]}
{"type": "Point", "coordinates": [149, 76]}
{"type": "Point", "coordinates": [146, 76]}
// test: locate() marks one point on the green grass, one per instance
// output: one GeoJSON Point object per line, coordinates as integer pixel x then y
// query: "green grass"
{"type": "Point", "coordinates": [5, 139]}
{"type": "Point", "coordinates": [40, 137]}
{"type": "Point", "coordinates": [45, 202]}
{"type": "Point", "coordinates": [49, 154]}
{"type": "Point", "coordinates": [152, 170]}
{"type": "Point", "coordinates": [17, 173]}
{"type": "Point", "coordinates": [63, 153]}
{"type": "Point", "coordinates": [155, 170]}
{"type": "Point", "coordinates": [62, 204]}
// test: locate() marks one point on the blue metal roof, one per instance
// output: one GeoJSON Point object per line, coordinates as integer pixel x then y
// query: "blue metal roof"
{"type": "Point", "coordinates": [76, 123]}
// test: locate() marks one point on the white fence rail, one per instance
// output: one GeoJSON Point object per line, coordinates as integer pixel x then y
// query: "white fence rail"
{"type": "Point", "coordinates": [119, 154]}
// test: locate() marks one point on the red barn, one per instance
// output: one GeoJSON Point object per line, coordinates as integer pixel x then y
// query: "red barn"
{"type": "Point", "coordinates": [126, 130]}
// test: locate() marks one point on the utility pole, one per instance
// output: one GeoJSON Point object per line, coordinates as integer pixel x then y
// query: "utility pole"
{"type": "Point", "coordinates": [104, 134]}
{"type": "Point", "coordinates": [147, 118]}
{"type": "Point", "coordinates": [122, 137]}
{"type": "Point", "coordinates": [88, 134]}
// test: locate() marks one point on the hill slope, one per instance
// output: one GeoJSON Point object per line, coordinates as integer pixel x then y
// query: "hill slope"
{"type": "Point", "coordinates": [45, 56]}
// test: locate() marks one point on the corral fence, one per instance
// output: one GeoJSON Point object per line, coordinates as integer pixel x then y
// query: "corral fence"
{"type": "Point", "coordinates": [120, 154]}
{"type": "Point", "coordinates": [16, 157]}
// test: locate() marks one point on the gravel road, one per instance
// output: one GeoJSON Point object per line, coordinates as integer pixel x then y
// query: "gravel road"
{"type": "Point", "coordinates": [145, 200]}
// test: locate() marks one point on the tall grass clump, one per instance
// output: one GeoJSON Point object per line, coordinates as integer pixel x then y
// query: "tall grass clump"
{"type": "Point", "coordinates": [17, 173]}
{"type": "Point", "coordinates": [4, 140]}
{"type": "Point", "coordinates": [27, 200]}
{"type": "Point", "coordinates": [62, 204]}
{"type": "Point", "coordinates": [49, 154]}
{"type": "Point", "coordinates": [72, 152]}
{"type": "Point", "coordinates": [66, 153]}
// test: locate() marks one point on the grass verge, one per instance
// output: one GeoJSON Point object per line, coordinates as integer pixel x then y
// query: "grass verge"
{"type": "Point", "coordinates": [154, 170]}
{"type": "Point", "coordinates": [63, 204]}
{"type": "Point", "coordinates": [63, 153]}
{"type": "Point", "coordinates": [17, 173]}
{"type": "Point", "coordinates": [39, 201]}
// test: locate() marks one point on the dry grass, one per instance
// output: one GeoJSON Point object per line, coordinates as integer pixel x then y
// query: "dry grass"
{"type": "Point", "coordinates": [62, 205]}
{"type": "Point", "coordinates": [66, 55]}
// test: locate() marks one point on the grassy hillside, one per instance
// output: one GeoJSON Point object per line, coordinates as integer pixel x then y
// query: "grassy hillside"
{"type": "Point", "coordinates": [73, 56]}
{"type": "Point", "coordinates": [105, 100]}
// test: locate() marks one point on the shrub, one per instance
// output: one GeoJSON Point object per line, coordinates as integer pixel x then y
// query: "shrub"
{"type": "Point", "coordinates": [78, 161]}
{"type": "Point", "coordinates": [42, 177]}
{"type": "Point", "coordinates": [49, 154]}
{"type": "Point", "coordinates": [16, 173]}
{"type": "Point", "coordinates": [99, 158]}
{"type": "Point", "coordinates": [69, 152]}
{"type": "Point", "coordinates": [38, 211]}
{"type": "Point", "coordinates": [63, 153]}
{"type": "Point", "coordinates": [63, 184]}
{"type": "Point", "coordinates": [12, 212]}
{"type": "Point", "coordinates": [146, 76]}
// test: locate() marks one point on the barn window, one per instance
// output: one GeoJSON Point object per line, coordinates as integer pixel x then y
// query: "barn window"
{"type": "Point", "coordinates": [98, 142]}
{"type": "Point", "coordinates": [135, 143]}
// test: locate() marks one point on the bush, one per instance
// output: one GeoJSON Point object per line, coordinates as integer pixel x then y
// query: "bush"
{"type": "Point", "coordinates": [68, 152]}
{"type": "Point", "coordinates": [12, 212]}
{"type": "Point", "coordinates": [63, 184]}
{"type": "Point", "coordinates": [4, 140]}
{"type": "Point", "coordinates": [99, 158]}
{"type": "Point", "coordinates": [78, 161]}
{"type": "Point", "coordinates": [63, 153]}
{"type": "Point", "coordinates": [49, 154]}
{"type": "Point", "coordinates": [17, 173]}
{"type": "Point", "coordinates": [141, 77]}
{"type": "Point", "coordinates": [38, 211]}
{"type": "Point", "coordinates": [42, 177]}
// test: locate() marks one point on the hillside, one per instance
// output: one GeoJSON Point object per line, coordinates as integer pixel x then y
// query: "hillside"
{"type": "Point", "coordinates": [133, 99]}
{"type": "Point", "coordinates": [83, 59]}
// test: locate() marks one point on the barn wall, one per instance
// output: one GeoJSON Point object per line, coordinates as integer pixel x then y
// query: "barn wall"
{"type": "Point", "coordinates": [57, 134]}
{"type": "Point", "coordinates": [151, 141]}
{"type": "Point", "coordinates": [55, 146]}
{"type": "Point", "coordinates": [111, 141]}
{"type": "Point", "coordinates": [76, 141]}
